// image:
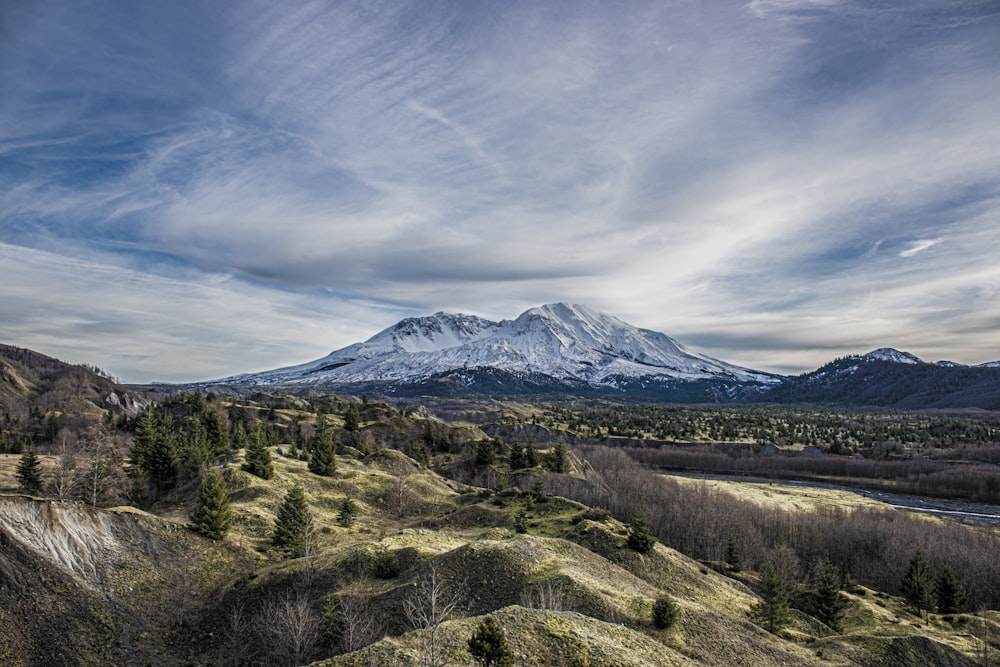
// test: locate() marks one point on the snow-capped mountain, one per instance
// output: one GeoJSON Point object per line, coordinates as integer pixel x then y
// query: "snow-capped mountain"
{"type": "Point", "coordinates": [553, 343]}
{"type": "Point", "coordinates": [893, 355]}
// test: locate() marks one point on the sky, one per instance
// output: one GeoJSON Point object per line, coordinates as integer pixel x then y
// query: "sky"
{"type": "Point", "coordinates": [194, 189]}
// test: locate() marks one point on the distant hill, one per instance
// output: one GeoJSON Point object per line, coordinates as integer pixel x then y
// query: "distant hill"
{"type": "Point", "coordinates": [39, 395]}
{"type": "Point", "coordinates": [890, 378]}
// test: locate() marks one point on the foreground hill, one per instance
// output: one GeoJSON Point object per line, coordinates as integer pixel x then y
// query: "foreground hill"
{"type": "Point", "coordinates": [121, 586]}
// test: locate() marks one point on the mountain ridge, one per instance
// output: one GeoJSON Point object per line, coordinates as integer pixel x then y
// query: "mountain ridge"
{"type": "Point", "coordinates": [565, 343]}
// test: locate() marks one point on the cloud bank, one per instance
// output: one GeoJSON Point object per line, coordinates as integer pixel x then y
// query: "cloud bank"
{"type": "Point", "coordinates": [775, 183]}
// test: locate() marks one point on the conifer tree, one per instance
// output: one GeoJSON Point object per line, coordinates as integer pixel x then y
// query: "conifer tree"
{"type": "Point", "coordinates": [556, 459]}
{"type": "Point", "coordinates": [293, 527]}
{"type": "Point", "coordinates": [773, 609]}
{"type": "Point", "coordinates": [257, 459]}
{"type": "Point", "coordinates": [352, 419]}
{"type": "Point", "coordinates": [733, 558]}
{"type": "Point", "coordinates": [488, 645]}
{"type": "Point", "coordinates": [950, 592]}
{"type": "Point", "coordinates": [516, 458]}
{"type": "Point", "coordinates": [348, 510]}
{"type": "Point", "coordinates": [917, 585]}
{"type": "Point", "coordinates": [211, 516]}
{"type": "Point", "coordinates": [640, 538]}
{"type": "Point", "coordinates": [29, 472]}
{"type": "Point", "coordinates": [530, 455]}
{"type": "Point", "coordinates": [323, 461]}
{"type": "Point", "coordinates": [484, 452]}
{"type": "Point", "coordinates": [828, 603]}
{"type": "Point", "coordinates": [664, 612]}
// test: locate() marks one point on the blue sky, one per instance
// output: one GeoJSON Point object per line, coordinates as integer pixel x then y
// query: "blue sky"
{"type": "Point", "coordinates": [194, 189]}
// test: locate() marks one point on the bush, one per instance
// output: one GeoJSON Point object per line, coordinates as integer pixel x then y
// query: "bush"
{"type": "Point", "coordinates": [664, 612]}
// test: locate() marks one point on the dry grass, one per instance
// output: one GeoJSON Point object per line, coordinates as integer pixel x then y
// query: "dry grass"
{"type": "Point", "coordinates": [787, 497]}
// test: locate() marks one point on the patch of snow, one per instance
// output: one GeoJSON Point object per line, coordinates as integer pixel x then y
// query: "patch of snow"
{"type": "Point", "coordinates": [890, 354]}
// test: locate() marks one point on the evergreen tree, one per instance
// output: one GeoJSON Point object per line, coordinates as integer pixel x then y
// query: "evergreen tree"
{"type": "Point", "coordinates": [530, 455]}
{"type": "Point", "coordinates": [640, 538]}
{"type": "Point", "coordinates": [257, 459]}
{"type": "Point", "coordinates": [323, 461]}
{"type": "Point", "coordinates": [488, 645]}
{"type": "Point", "coordinates": [293, 527]}
{"type": "Point", "coordinates": [917, 585]}
{"type": "Point", "coordinates": [556, 459]}
{"type": "Point", "coordinates": [828, 603]}
{"type": "Point", "coordinates": [352, 419]}
{"type": "Point", "coordinates": [29, 472]}
{"type": "Point", "coordinates": [772, 610]}
{"type": "Point", "coordinates": [664, 612]}
{"type": "Point", "coordinates": [733, 558]}
{"type": "Point", "coordinates": [484, 452]}
{"type": "Point", "coordinates": [211, 516]}
{"type": "Point", "coordinates": [521, 521]}
{"type": "Point", "coordinates": [950, 592]}
{"type": "Point", "coordinates": [516, 458]}
{"type": "Point", "coordinates": [154, 456]}
{"type": "Point", "coordinates": [348, 510]}
{"type": "Point", "coordinates": [215, 431]}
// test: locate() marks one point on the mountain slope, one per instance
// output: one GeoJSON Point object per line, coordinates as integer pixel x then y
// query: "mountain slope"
{"type": "Point", "coordinates": [890, 378]}
{"type": "Point", "coordinates": [552, 347]}
{"type": "Point", "coordinates": [40, 395]}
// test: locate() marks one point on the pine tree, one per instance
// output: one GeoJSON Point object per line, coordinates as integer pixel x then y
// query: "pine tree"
{"type": "Point", "coordinates": [488, 645]}
{"type": "Point", "coordinates": [211, 516]}
{"type": "Point", "coordinates": [323, 461]}
{"type": "Point", "coordinates": [257, 459]}
{"type": "Point", "coordinates": [29, 472]}
{"type": "Point", "coordinates": [950, 592]}
{"type": "Point", "coordinates": [664, 612]}
{"type": "Point", "coordinates": [733, 558]}
{"type": "Point", "coordinates": [530, 455]}
{"type": "Point", "coordinates": [772, 610]}
{"type": "Point", "coordinates": [556, 459]}
{"type": "Point", "coordinates": [484, 452]}
{"type": "Point", "coordinates": [352, 419]}
{"type": "Point", "coordinates": [516, 458]}
{"type": "Point", "coordinates": [827, 602]}
{"type": "Point", "coordinates": [917, 585]}
{"type": "Point", "coordinates": [348, 510]}
{"type": "Point", "coordinates": [640, 538]}
{"type": "Point", "coordinates": [293, 527]}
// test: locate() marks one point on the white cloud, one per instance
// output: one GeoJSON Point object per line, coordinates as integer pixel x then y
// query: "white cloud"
{"type": "Point", "coordinates": [918, 246]}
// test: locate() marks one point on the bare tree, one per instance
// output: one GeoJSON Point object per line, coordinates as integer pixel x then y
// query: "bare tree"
{"type": "Point", "coordinates": [65, 478]}
{"type": "Point", "coordinates": [433, 599]}
{"type": "Point", "coordinates": [102, 475]}
{"type": "Point", "coordinates": [294, 626]}
{"type": "Point", "coordinates": [238, 636]}
{"type": "Point", "coordinates": [549, 596]}
{"type": "Point", "coordinates": [352, 622]}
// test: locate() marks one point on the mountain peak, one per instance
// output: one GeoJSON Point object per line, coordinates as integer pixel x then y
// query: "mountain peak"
{"type": "Point", "coordinates": [893, 355]}
{"type": "Point", "coordinates": [561, 342]}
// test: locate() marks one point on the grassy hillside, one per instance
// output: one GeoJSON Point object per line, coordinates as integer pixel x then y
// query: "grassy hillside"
{"type": "Point", "coordinates": [123, 586]}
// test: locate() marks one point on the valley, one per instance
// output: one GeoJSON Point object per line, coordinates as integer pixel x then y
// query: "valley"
{"type": "Point", "coordinates": [163, 534]}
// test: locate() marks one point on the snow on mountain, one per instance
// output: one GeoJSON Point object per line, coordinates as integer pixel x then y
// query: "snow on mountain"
{"type": "Point", "coordinates": [890, 354]}
{"type": "Point", "coordinates": [562, 341]}
{"type": "Point", "coordinates": [989, 364]}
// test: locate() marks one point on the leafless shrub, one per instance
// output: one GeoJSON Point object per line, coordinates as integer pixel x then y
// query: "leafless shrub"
{"type": "Point", "coordinates": [433, 599]}
{"type": "Point", "coordinates": [549, 596]}
{"type": "Point", "coordinates": [293, 625]}
{"type": "Point", "coordinates": [351, 622]}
